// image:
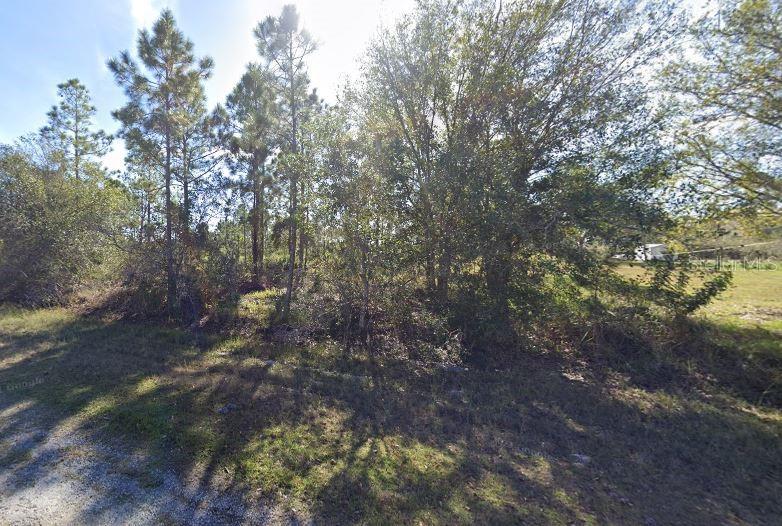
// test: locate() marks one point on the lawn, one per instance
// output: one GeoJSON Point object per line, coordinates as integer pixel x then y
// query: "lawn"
{"type": "Point", "coordinates": [753, 299]}
{"type": "Point", "coordinates": [690, 437]}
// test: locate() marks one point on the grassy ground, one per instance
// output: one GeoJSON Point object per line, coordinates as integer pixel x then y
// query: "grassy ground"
{"type": "Point", "coordinates": [694, 438]}
{"type": "Point", "coordinates": [754, 297]}
{"type": "Point", "coordinates": [746, 322]}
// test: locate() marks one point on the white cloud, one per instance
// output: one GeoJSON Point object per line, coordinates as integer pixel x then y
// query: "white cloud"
{"type": "Point", "coordinates": [145, 12]}
{"type": "Point", "coordinates": [115, 159]}
{"type": "Point", "coordinates": [142, 12]}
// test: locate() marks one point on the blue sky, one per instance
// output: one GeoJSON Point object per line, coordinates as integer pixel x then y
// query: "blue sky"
{"type": "Point", "coordinates": [43, 43]}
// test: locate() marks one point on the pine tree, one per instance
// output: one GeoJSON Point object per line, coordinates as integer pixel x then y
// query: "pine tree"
{"type": "Point", "coordinates": [70, 129]}
{"type": "Point", "coordinates": [284, 47]}
{"type": "Point", "coordinates": [198, 156]}
{"type": "Point", "coordinates": [249, 126]}
{"type": "Point", "coordinates": [160, 97]}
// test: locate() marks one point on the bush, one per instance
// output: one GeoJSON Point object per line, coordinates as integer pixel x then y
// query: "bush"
{"type": "Point", "coordinates": [673, 286]}
{"type": "Point", "coordinates": [54, 229]}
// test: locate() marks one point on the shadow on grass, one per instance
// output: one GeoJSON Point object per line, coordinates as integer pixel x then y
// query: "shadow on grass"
{"type": "Point", "coordinates": [742, 361]}
{"type": "Point", "coordinates": [392, 442]}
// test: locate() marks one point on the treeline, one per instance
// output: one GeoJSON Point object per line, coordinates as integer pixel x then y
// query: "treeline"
{"type": "Point", "coordinates": [473, 180]}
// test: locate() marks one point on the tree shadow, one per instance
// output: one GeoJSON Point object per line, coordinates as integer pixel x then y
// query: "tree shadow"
{"type": "Point", "coordinates": [742, 361]}
{"type": "Point", "coordinates": [250, 434]}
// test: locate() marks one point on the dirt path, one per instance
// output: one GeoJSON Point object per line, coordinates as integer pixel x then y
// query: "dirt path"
{"type": "Point", "coordinates": [60, 475]}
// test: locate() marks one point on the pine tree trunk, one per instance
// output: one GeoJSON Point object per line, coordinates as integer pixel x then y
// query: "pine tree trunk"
{"type": "Point", "coordinates": [76, 152]}
{"type": "Point", "coordinates": [244, 245]}
{"type": "Point", "coordinates": [149, 219]}
{"type": "Point", "coordinates": [293, 186]}
{"type": "Point", "coordinates": [185, 192]}
{"type": "Point", "coordinates": [301, 252]}
{"type": "Point", "coordinates": [254, 220]}
{"type": "Point", "coordinates": [141, 228]}
{"type": "Point", "coordinates": [170, 277]}
{"type": "Point", "coordinates": [261, 220]}
{"type": "Point", "coordinates": [291, 247]}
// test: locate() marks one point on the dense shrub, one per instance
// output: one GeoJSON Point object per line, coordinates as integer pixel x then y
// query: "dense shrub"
{"type": "Point", "coordinates": [54, 229]}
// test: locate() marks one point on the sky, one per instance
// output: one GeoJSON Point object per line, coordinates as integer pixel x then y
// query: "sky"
{"type": "Point", "coordinates": [43, 43]}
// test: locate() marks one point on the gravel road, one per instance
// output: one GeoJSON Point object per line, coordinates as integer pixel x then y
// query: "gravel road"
{"type": "Point", "coordinates": [52, 473]}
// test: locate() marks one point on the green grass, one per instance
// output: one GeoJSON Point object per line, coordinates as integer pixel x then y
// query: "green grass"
{"type": "Point", "coordinates": [258, 308]}
{"type": "Point", "coordinates": [754, 299]}
{"type": "Point", "coordinates": [692, 437]}
{"type": "Point", "coordinates": [754, 296]}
